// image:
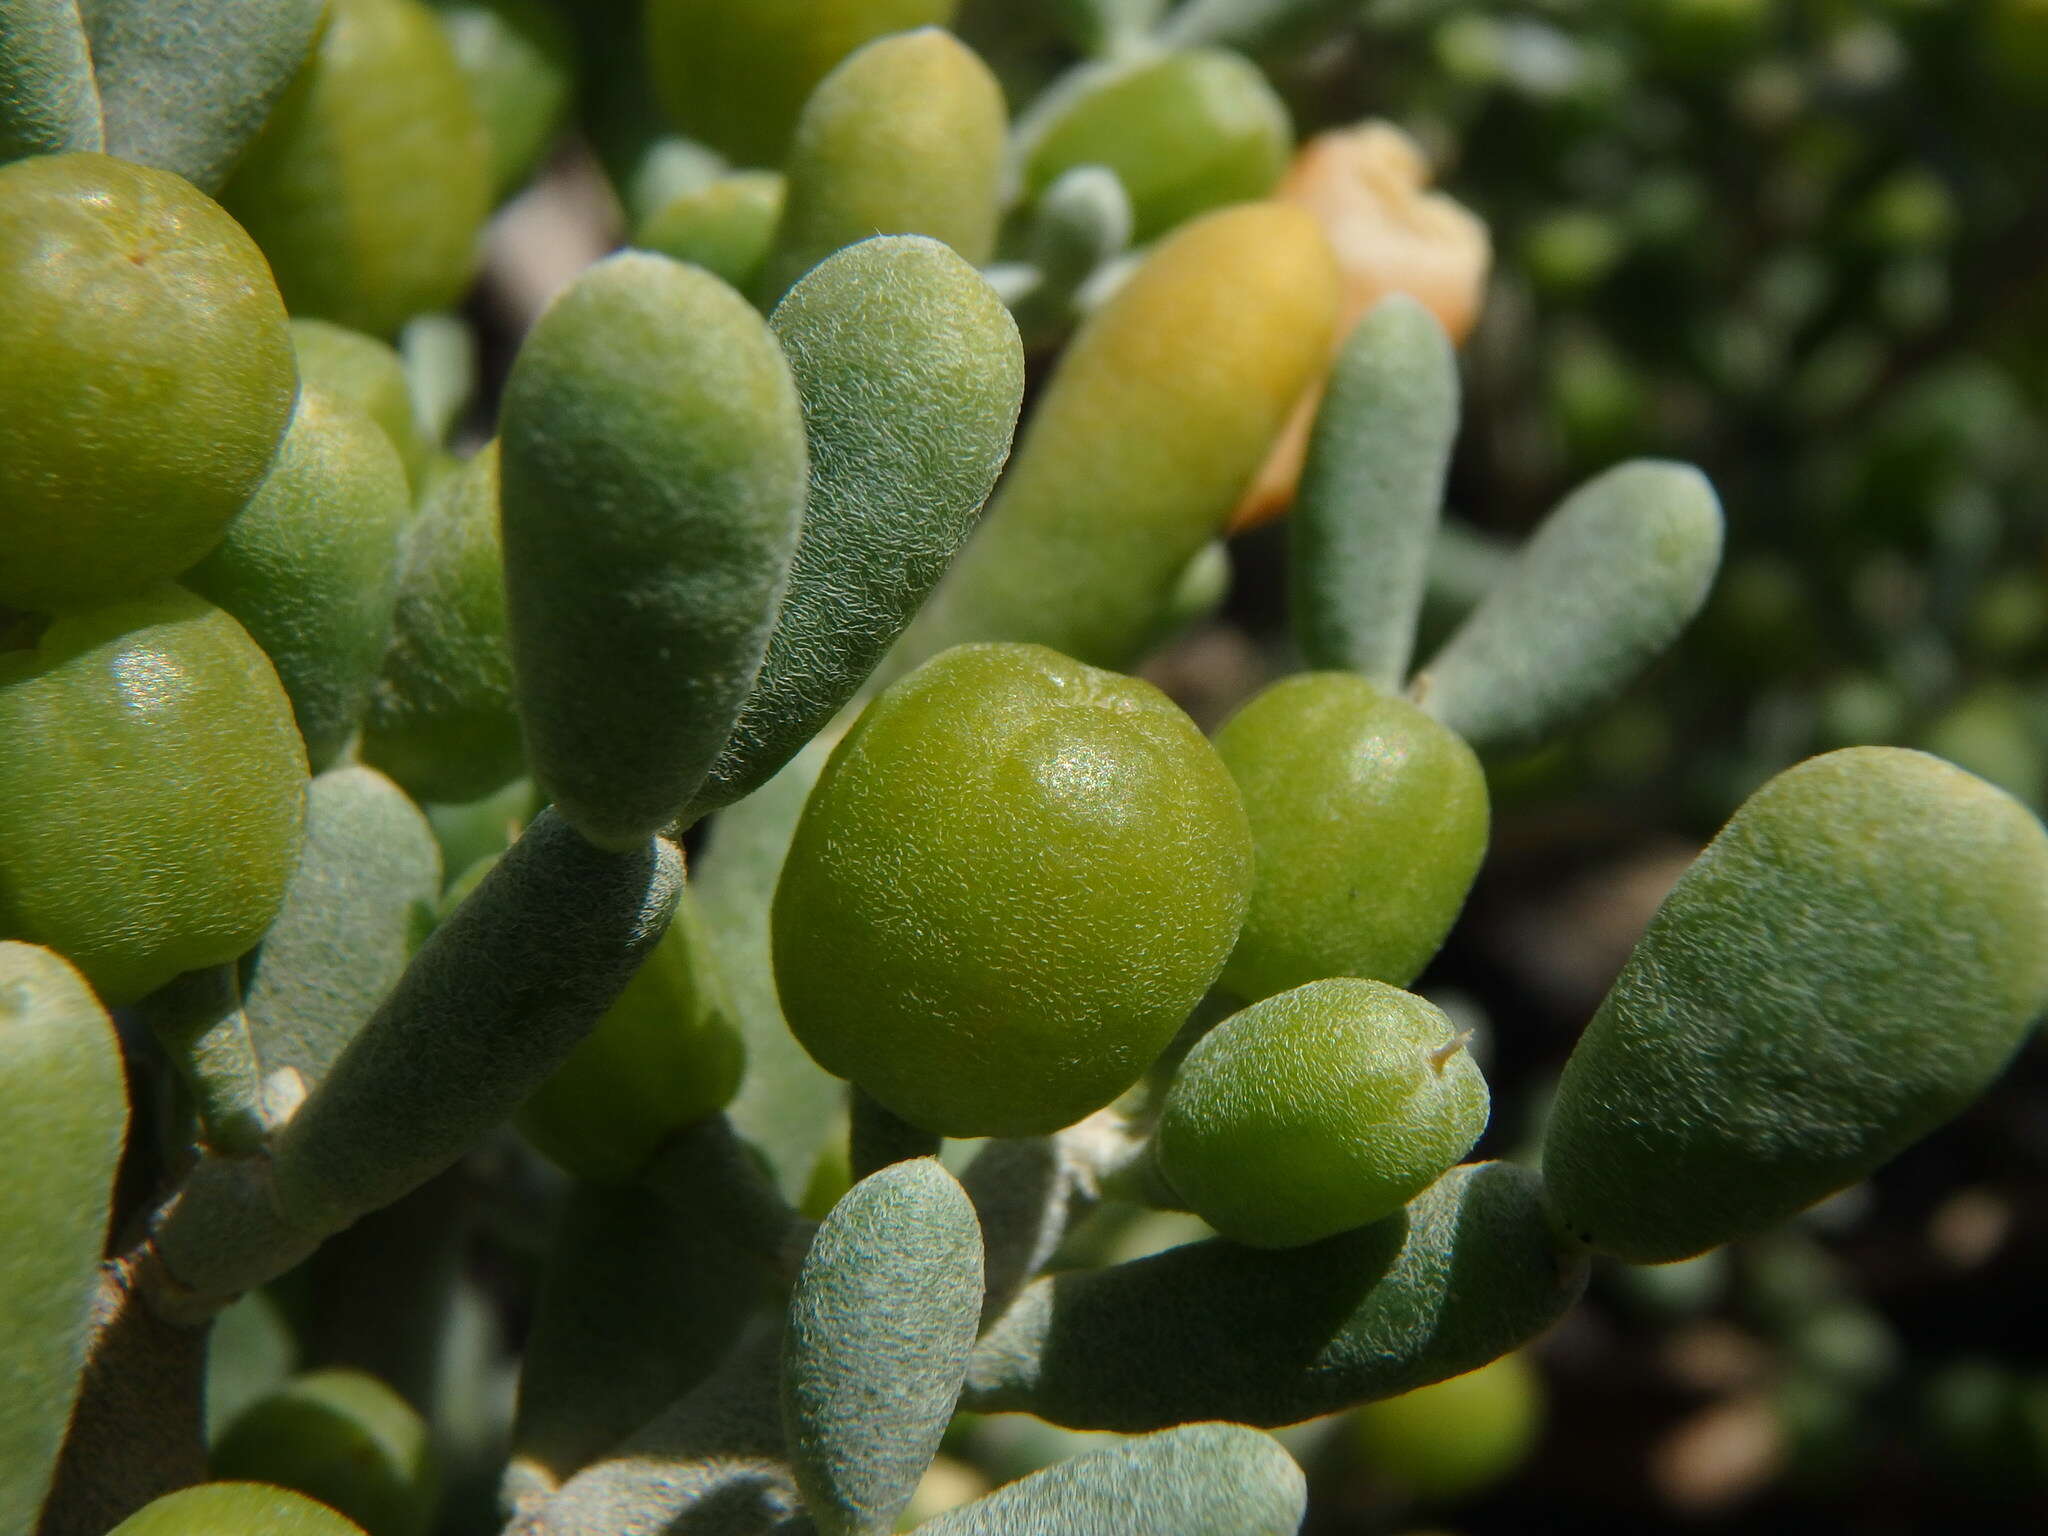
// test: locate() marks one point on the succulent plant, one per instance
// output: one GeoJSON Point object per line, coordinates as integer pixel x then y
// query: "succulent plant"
{"type": "Point", "coordinates": [703, 740]}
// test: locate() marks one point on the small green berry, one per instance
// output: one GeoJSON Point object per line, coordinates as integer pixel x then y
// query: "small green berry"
{"type": "Point", "coordinates": [1319, 1110]}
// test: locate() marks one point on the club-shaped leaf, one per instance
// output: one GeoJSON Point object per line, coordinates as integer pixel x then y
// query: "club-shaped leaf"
{"type": "Point", "coordinates": [1216, 1330]}
{"type": "Point", "coordinates": [1603, 587]}
{"type": "Point", "coordinates": [1160, 411]}
{"type": "Point", "coordinates": [911, 375]}
{"type": "Point", "coordinates": [487, 1010]}
{"type": "Point", "coordinates": [1372, 492]}
{"type": "Point", "coordinates": [48, 102]}
{"type": "Point", "coordinates": [653, 488]}
{"type": "Point", "coordinates": [1849, 963]}
{"type": "Point", "coordinates": [880, 1327]}
{"type": "Point", "coordinates": [63, 1116]}
{"type": "Point", "coordinates": [217, 1509]}
{"type": "Point", "coordinates": [344, 933]}
{"type": "Point", "coordinates": [904, 137]}
{"type": "Point", "coordinates": [1196, 1480]}
{"type": "Point", "coordinates": [186, 84]}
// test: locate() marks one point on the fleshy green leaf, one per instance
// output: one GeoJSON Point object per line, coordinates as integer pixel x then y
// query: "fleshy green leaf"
{"type": "Point", "coordinates": [1604, 586]}
{"type": "Point", "coordinates": [63, 1117]}
{"type": "Point", "coordinates": [186, 84]}
{"type": "Point", "coordinates": [48, 102]}
{"type": "Point", "coordinates": [880, 1326]}
{"type": "Point", "coordinates": [1372, 490]}
{"type": "Point", "coordinates": [1215, 1330]}
{"type": "Point", "coordinates": [344, 933]}
{"type": "Point", "coordinates": [911, 375]}
{"type": "Point", "coordinates": [1161, 410]}
{"type": "Point", "coordinates": [487, 1010]}
{"type": "Point", "coordinates": [1196, 1480]}
{"type": "Point", "coordinates": [1849, 963]}
{"type": "Point", "coordinates": [653, 490]}
{"type": "Point", "coordinates": [903, 138]}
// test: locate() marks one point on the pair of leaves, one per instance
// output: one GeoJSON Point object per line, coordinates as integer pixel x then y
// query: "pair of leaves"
{"type": "Point", "coordinates": [703, 566]}
{"type": "Point", "coordinates": [1605, 585]}
{"type": "Point", "coordinates": [182, 85]}
{"type": "Point", "coordinates": [878, 1342]}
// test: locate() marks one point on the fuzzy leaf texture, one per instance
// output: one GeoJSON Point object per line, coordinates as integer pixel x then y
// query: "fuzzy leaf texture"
{"type": "Point", "coordinates": [1196, 1480]}
{"type": "Point", "coordinates": [1372, 492]}
{"type": "Point", "coordinates": [185, 85]}
{"type": "Point", "coordinates": [1215, 1330]}
{"type": "Point", "coordinates": [903, 138]}
{"type": "Point", "coordinates": [911, 375]}
{"type": "Point", "coordinates": [880, 1327]}
{"type": "Point", "coordinates": [1853, 959]}
{"type": "Point", "coordinates": [63, 1117]}
{"type": "Point", "coordinates": [653, 489]}
{"type": "Point", "coordinates": [1608, 581]}
{"type": "Point", "coordinates": [344, 934]}
{"type": "Point", "coordinates": [48, 100]}
{"type": "Point", "coordinates": [488, 1009]}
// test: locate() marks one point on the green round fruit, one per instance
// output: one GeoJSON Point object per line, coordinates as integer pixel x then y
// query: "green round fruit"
{"type": "Point", "coordinates": [1851, 961]}
{"type": "Point", "coordinates": [666, 1055]}
{"type": "Point", "coordinates": [310, 566]}
{"type": "Point", "coordinates": [370, 182]}
{"type": "Point", "coordinates": [1185, 132]}
{"type": "Point", "coordinates": [1016, 877]}
{"type": "Point", "coordinates": [1319, 1110]}
{"type": "Point", "coordinates": [344, 1438]}
{"type": "Point", "coordinates": [152, 791]}
{"type": "Point", "coordinates": [148, 377]}
{"type": "Point", "coordinates": [235, 1509]}
{"type": "Point", "coordinates": [367, 373]}
{"type": "Point", "coordinates": [1452, 1440]}
{"type": "Point", "coordinates": [1370, 821]}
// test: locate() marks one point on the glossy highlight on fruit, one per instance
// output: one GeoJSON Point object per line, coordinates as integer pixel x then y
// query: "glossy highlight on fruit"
{"type": "Point", "coordinates": [147, 381]}
{"type": "Point", "coordinates": [1015, 878]}
{"type": "Point", "coordinates": [1850, 962]}
{"type": "Point", "coordinates": [1370, 821]}
{"type": "Point", "coordinates": [1319, 1110]}
{"type": "Point", "coordinates": [152, 791]}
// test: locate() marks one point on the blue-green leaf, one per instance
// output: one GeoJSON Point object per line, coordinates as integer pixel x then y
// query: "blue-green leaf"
{"type": "Point", "coordinates": [1215, 1330]}
{"type": "Point", "coordinates": [1600, 591]}
{"type": "Point", "coordinates": [1196, 1480]}
{"type": "Point", "coordinates": [879, 1331]}
{"type": "Point", "coordinates": [186, 84]}
{"type": "Point", "coordinates": [345, 931]}
{"type": "Point", "coordinates": [48, 102]}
